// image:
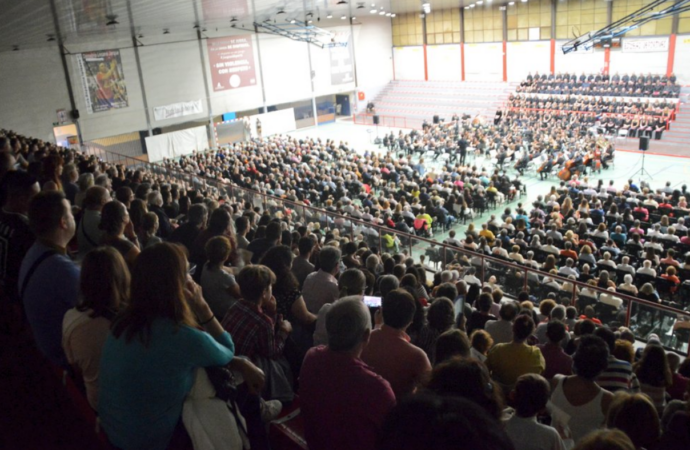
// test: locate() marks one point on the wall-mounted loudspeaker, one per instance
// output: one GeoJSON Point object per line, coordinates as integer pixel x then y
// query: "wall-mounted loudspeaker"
{"type": "Point", "coordinates": [436, 120]}
{"type": "Point", "coordinates": [644, 143]}
{"type": "Point", "coordinates": [75, 114]}
{"type": "Point", "coordinates": [376, 120]}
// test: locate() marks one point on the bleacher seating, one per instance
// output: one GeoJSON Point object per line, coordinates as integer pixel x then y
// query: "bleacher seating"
{"type": "Point", "coordinates": [419, 100]}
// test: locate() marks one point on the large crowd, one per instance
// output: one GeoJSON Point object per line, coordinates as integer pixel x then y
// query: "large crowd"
{"type": "Point", "coordinates": [145, 287]}
{"type": "Point", "coordinates": [602, 85]}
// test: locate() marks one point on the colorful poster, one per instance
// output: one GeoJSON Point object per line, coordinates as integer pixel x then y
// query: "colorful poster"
{"type": "Point", "coordinates": [232, 62]}
{"type": "Point", "coordinates": [342, 67]}
{"type": "Point", "coordinates": [103, 80]}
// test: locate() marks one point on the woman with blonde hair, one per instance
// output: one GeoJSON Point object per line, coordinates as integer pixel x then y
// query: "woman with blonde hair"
{"type": "Point", "coordinates": [606, 440]}
{"type": "Point", "coordinates": [104, 291]}
{"type": "Point", "coordinates": [481, 344]}
{"type": "Point", "coordinates": [150, 358]}
{"type": "Point", "coordinates": [636, 416]}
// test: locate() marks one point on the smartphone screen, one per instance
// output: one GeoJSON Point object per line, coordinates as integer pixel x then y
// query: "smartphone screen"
{"type": "Point", "coordinates": [372, 302]}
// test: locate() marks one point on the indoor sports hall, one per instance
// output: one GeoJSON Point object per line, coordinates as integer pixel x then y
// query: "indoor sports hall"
{"type": "Point", "coordinates": [335, 225]}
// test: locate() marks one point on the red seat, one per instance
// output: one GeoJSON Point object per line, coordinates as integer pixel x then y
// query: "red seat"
{"type": "Point", "coordinates": [287, 431]}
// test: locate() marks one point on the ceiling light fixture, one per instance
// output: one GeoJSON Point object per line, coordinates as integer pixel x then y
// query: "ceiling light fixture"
{"type": "Point", "coordinates": [388, 14]}
{"type": "Point", "coordinates": [393, 15]}
{"type": "Point", "coordinates": [426, 7]}
{"type": "Point", "coordinates": [480, 2]}
{"type": "Point", "coordinates": [234, 19]}
{"type": "Point", "coordinates": [310, 14]}
{"type": "Point", "coordinates": [51, 38]}
{"type": "Point", "coordinates": [166, 31]}
{"type": "Point", "coordinates": [381, 13]}
{"type": "Point", "coordinates": [343, 17]}
{"type": "Point", "coordinates": [141, 36]}
{"type": "Point", "coordinates": [280, 12]}
{"type": "Point", "coordinates": [342, 2]}
{"type": "Point", "coordinates": [374, 11]}
{"type": "Point", "coordinates": [360, 6]}
{"type": "Point", "coordinates": [196, 26]}
{"type": "Point", "coordinates": [524, 1]}
{"type": "Point", "coordinates": [511, 3]}
{"type": "Point", "coordinates": [112, 20]}
{"type": "Point", "coordinates": [467, 7]}
{"type": "Point", "coordinates": [329, 16]}
{"type": "Point", "coordinates": [15, 48]}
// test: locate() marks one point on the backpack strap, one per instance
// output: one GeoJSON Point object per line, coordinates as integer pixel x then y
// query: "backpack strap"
{"type": "Point", "coordinates": [32, 270]}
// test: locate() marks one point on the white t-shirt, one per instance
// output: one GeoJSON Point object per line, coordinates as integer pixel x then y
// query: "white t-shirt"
{"type": "Point", "coordinates": [528, 434]}
{"type": "Point", "coordinates": [215, 284]}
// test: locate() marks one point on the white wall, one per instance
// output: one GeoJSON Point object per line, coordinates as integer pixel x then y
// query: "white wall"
{"type": "Point", "coordinates": [681, 62]}
{"type": "Point", "coordinates": [285, 65]}
{"type": "Point", "coordinates": [409, 63]}
{"type": "Point", "coordinates": [484, 62]}
{"type": "Point", "coordinates": [173, 80]}
{"type": "Point", "coordinates": [578, 62]}
{"type": "Point", "coordinates": [444, 62]}
{"type": "Point", "coordinates": [647, 62]}
{"type": "Point", "coordinates": [526, 57]}
{"type": "Point", "coordinates": [32, 89]}
{"type": "Point", "coordinates": [373, 56]}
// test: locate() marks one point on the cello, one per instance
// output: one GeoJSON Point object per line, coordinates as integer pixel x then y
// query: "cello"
{"type": "Point", "coordinates": [566, 172]}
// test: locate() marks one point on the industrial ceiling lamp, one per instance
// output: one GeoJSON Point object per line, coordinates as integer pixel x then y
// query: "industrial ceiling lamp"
{"type": "Point", "coordinates": [329, 16]}
{"type": "Point", "coordinates": [166, 31]}
{"type": "Point", "coordinates": [341, 2]}
{"type": "Point", "coordinates": [51, 38]}
{"type": "Point", "coordinates": [234, 19]}
{"type": "Point", "coordinates": [112, 20]}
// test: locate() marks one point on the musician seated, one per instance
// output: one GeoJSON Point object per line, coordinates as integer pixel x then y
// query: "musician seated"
{"type": "Point", "coordinates": [370, 108]}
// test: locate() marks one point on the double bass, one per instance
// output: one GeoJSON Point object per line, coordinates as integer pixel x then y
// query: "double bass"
{"type": "Point", "coordinates": [566, 172]}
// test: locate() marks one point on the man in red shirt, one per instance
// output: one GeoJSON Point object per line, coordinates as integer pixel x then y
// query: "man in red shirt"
{"type": "Point", "coordinates": [390, 352]}
{"type": "Point", "coordinates": [344, 402]}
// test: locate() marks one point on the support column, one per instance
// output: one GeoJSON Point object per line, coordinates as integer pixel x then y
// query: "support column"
{"type": "Point", "coordinates": [504, 18]}
{"type": "Point", "coordinates": [140, 73]}
{"type": "Point", "coordinates": [211, 126]}
{"type": "Point", "coordinates": [65, 68]}
{"type": "Point", "coordinates": [553, 37]}
{"type": "Point", "coordinates": [607, 51]}
{"type": "Point", "coordinates": [672, 45]}
{"type": "Point", "coordinates": [426, 63]}
{"type": "Point", "coordinates": [462, 43]}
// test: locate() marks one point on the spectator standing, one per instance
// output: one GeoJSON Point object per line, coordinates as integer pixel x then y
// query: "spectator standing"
{"type": "Point", "coordinates": [48, 279]}
{"type": "Point", "coordinates": [344, 402]}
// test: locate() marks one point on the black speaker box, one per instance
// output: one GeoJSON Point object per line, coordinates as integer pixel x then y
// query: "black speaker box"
{"type": "Point", "coordinates": [75, 114]}
{"type": "Point", "coordinates": [644, 143]}
{"type": "Point", "coordinates": [436, 120]}
{"type": "Point", "coordinates": [376, 120]}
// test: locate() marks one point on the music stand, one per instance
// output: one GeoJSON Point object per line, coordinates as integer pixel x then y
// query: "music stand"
{"type": "Point", "coordinates": [644, 145]}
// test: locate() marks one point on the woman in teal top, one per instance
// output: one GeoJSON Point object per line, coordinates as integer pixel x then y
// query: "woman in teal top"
{"type": "Point", "coordinates": [150, 357]}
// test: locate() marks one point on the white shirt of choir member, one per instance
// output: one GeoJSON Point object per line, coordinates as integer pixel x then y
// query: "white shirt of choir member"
{"type": "Point", "coordinates": [528, 434]}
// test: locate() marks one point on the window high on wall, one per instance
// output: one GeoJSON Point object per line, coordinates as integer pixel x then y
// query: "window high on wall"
{"type": "Point", "coordinates": [407, 29]}
{"type": "Point", "coordinates": [523, 16]}
{"type": "Point", "coordinates": [483, 23]}
{"type": "Point", "coordinates": [623, 8]}
{"type": "Point", "coordinates": [443, 27]}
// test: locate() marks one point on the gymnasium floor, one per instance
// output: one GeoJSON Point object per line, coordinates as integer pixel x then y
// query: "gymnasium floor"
{"type": "Point", "coordinates": [627, 165]}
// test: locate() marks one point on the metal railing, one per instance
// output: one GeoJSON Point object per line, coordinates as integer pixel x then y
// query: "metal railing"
{"type": "Point", "coordinates": [668, 321]}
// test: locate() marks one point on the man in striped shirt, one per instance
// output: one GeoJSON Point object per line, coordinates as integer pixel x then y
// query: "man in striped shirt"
{"type": "Point", "coordinates": [618, 375]}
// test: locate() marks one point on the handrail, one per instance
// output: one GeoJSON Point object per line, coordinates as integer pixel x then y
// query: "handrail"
{"type": "Point", "coordinates": [585, 113]}
{"type": "Point", "coordinates": [408, 237]}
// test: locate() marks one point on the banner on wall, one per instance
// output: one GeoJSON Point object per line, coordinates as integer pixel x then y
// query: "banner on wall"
{"type": "Point", "coordinates": [342, 58]}
{"type": "Point", "coordinates": [232, 62]}
{"type": "Point", "coordinates": [645, 45]}
{"type": "Point", "coordinates": [103, 80]}
{"type": "Point", "coordinates": [178, 110]}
